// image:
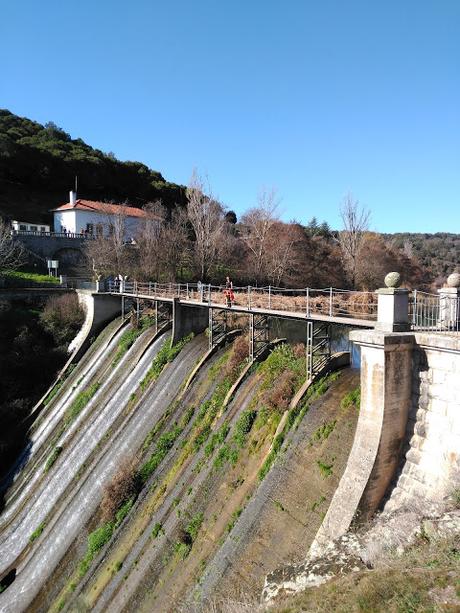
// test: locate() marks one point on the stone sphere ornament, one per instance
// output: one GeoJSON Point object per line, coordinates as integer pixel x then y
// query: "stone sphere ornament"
{"type": "Point", "coordinates": [453, 280]}
{"type": "Point", "coordinates": [393, 279]}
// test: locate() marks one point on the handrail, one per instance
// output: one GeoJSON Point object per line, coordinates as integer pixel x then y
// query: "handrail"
{"type": "Point", "coordinates": [328, 302]}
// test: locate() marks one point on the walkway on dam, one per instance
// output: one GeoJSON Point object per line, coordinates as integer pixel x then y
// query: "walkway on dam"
{"type": "Point", "coordinates": [329, 305]}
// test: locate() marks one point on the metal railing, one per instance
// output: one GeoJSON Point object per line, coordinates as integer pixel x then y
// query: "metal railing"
{"type": "Point", "coordinates": [78, 283]}
{"type": "Point", "coordinates": [434, 312]}
{"type": "Point", "coordinates": [331, 302]}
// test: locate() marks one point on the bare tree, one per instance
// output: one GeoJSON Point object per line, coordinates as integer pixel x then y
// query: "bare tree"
{"type": "Point", "coordinates": [206, 216]}
{"type": "Point", "coordinates": [175, 244]}
{"type": "Point", "coordinates": [150, 240]}
{"type": "Point", "coordinates": [282, 254]}
{"type": "Point", "coordinates": [110, 253]}
{"type": "Point", "coordinates": [355, 225]}
{"type": "Point", "coordinates": [257, 225]}
{"type": "Point", "coordinates": [12, 253]}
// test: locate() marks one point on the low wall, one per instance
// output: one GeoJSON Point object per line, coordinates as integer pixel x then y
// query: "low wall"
{"type": "Point", "coordinates": [99, 310]}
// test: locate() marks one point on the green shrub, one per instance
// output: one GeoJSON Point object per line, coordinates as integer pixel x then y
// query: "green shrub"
{"type": "Point", "coordinates": [243, 427]}
{"type": "Point", "coordinates": [62, 317]}
{"type": "Point", "coordinates": [194, 526]}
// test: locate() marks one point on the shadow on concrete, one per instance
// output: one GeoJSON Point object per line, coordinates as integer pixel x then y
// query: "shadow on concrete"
{"type": "Point", "coordinates": [418, 401]}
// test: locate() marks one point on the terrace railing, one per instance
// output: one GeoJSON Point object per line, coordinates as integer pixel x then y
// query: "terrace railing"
{"type": "Point", "coordinates": [79, 235]}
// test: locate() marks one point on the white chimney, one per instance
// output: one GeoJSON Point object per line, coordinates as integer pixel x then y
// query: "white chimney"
{"type": "Point", "coordinates": [73, 198]}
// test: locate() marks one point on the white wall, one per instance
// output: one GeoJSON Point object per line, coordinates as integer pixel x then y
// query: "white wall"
{"type": "Point", "coordinates": [29, 227]}
{"type": "Point", "coordinates": [75, 220]}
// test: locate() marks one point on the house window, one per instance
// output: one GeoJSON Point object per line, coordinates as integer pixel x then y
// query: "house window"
{"type": "Point", "coordinates": [99, 230]}
{"type": "Point", "coordinates": [89, 228]}
{"type": "Point", "coordinates": [33, 228]}
{"type": "Point", "coordinates": [43, 229]}
{"type": "Point", "coordinates": [22, 227]}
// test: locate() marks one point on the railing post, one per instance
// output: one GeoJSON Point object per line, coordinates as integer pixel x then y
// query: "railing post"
{"type": "Point", "coordinates": [414, 309]}
{"type": "Point", "coordinates": [209, 293]}
{"type": "Point", "coordinates": [187, 292]}
{"type": "Point", "coordinates": [249, 297]}
{"type": "Point", "coordinates": [330, 302]}
{"type": "Point", "coordinates": [448, 315]}
{"type": "Point", "coordinates": [154, 289]}
{"type": "Point", "coordinates": [308, 302]}
{"type": "Point", "coordinates": [269, 296]}
{"type": "Point", "coordinates": [393, 305]}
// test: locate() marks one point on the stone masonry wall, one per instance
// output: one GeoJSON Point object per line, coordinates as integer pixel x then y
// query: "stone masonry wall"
{"type": "Point", "coordinates": [430, 469]}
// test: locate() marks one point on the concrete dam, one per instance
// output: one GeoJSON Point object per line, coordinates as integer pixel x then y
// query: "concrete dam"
{"type": "Point", "coordinates": [190, 453]}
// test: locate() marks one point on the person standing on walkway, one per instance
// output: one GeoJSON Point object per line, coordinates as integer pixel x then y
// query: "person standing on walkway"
{"type": "Point", "coordinates": [229, 295]}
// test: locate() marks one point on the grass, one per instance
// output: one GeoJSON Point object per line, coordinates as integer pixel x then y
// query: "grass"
{"type": "Point", "coordinates": [418, 581]}
{"type": "Point", "coordinates": [53, 393]}
{"type": "Point", "coordinates": [188, 536]}
{"type": "Point", "coordinates": [157, 530]}
{"type": "Point", "coordinates": [30, 277]}
{"type": "Point", "coordinates": [323, 432]}
{"type": "Point", "coordinates": [325, 469]}
{"type": "Point", "coordinates": [163, 357]}
{"type": "Point", "coordinates": [353, 398]}
{"type": "Point", "coordinates": [129, 337]}
{"type": "Point", "coordinates": [52, 458]}
{"type": "Point", "coordinates": [317, 503]}
{"type": "Point", "coordinates": [80, 402]}
{"type": "Point", "coordinates": [231, 524]}
{"type": "Point", "coordinates": [37, 532]}
{"type": "Point", "coordinates": [295, 415]}
{"type": "Point", "coordinates": [164, 444]}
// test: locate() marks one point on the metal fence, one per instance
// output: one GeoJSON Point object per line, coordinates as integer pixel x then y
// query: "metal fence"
{"type": "Point", "coordinates": [78, 283]}
{"type": "Point", "coordinates": [330, 301]}
{"type": "Point", "coordinates": [434, 312]}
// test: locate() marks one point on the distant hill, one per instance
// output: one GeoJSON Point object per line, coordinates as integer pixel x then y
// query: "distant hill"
{"type": "Point", "coordinates": [438, 253]}
{"type": "Point", "coordinates": [38, 165]}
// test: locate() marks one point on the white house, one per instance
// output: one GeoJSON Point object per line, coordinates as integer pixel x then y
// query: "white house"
{"type": "Point", "coordinates": [90, 217]}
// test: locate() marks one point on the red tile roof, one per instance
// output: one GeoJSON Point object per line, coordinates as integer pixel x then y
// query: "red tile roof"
{"type": "Point", "coordinates": [102, 207]}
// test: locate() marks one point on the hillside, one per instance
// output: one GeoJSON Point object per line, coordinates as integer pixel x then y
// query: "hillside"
{"type": "Point", "coordinates": [438, 252]}
{"type": "Point", "coordinates": [38, 165]}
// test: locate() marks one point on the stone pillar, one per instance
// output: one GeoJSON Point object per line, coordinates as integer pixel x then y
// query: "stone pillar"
{"type": "Point", "coordinates": [449, 303]}
{"type": "Point", "coordinates": [393, 306]}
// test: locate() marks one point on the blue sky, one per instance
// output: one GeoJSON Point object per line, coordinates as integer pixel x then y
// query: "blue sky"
{"type": "Point", "coordinates": [317, 98]}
